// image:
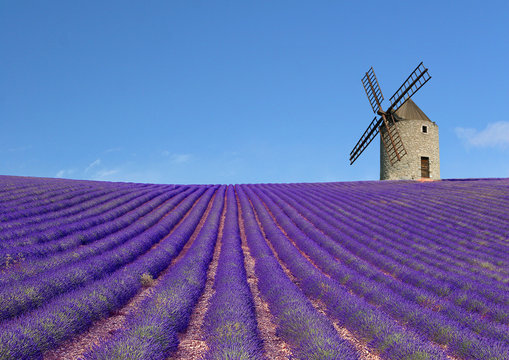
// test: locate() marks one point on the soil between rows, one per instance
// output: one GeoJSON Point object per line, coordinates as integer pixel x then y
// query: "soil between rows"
{"type": "Point", "coordinates": [103, 329]}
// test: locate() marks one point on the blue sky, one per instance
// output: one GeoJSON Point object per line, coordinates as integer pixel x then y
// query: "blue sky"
{"type": "Point", "coordinates": [242, 91]}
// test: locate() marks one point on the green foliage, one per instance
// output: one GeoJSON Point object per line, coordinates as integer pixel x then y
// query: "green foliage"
{"type": "Point", "coordinates": [230, 331]}
{"type": "Point", "coordinates": [146, 280]}
{"type": "Point", "coordinates": [389, 341]}
{"type": "Point", "coordinates": [232, 354]}
{"type": "Point", "coordinates": [464, 347]}
{"type": "Point", "coordinates": [442, 335]}
{"type": "Point", "coordinates": [460, 300]}
{"type": "Point", "coordinates": [418, 355]}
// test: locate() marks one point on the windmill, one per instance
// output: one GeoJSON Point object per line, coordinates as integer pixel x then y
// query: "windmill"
{"type": "Point", "coordinates": [396, 144]}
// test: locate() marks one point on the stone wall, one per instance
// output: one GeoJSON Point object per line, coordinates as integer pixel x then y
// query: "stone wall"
{"type": "Point", "coordinates": [417, 144]}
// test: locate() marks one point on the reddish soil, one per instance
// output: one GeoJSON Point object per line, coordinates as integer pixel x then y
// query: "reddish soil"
{"type": "Point", "coordinates": [99, 332]}
{"type": "Point", "coordinates": [364, 352]}
{"type": "Point", "coordinates": [306, 256]}
{"type": "Point", "coordinates": [102, 330]}
{"type": "Point", "coordinates": [192, 344]}
{"type": "Point", "coordinates": [362, 349]}
{"type": "Point", "coordinates": [275, 347]}
{"type": "Point", "coordinates": [346, 250]}
{"type": "Point", "coordinates": [426, 180]}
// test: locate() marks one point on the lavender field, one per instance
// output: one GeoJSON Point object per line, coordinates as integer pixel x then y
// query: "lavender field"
{"type": "Point", "coordinates": [353, 270]}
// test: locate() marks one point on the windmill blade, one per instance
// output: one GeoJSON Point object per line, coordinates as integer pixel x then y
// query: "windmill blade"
{"type": "Point", "coordinates": [372, 88]}
{"type": "Point", "coordinates": [414, 82]}
{"type": "Point", "coordinates": [365, 139]}
{"type": "Point", "coordinates": [391, 140]}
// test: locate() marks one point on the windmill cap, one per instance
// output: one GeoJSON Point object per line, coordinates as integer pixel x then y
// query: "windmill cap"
{"type": "Point", "coordinates": [410, 111]}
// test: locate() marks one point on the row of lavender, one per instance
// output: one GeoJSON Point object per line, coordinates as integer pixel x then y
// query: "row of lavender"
{"type": "Point", "coordinates": [398, 282]}
{"type": "Point", "coordinates": [230, 322]}
{"type": "Point", "coordinates": [97, 276]}
{"type": "Point", "coordinates": [61, 295]}
{"type": "Point", "coordinates": [50, 300]}
{"type": "Point", "coordinates": [466, 312]}
{"type": "Point", "coordinates": [69, 303]}
{"type": "Point", "coordinates": [385, 335]}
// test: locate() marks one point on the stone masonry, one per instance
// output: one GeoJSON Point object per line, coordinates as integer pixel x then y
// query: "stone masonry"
{"type": "Point", "coordinates": [417, 144]}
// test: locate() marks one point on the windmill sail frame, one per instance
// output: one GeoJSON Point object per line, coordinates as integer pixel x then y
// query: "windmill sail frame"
{"type": "Point", "coordinates": [373, 91]}
{"type": "Point", "coordinates": [390, 138]}
{"type": "Point", "coordinates": [410, 86]}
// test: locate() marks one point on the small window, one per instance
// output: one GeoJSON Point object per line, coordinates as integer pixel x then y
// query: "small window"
{"type": "Point", "coordinates": [424, 129]}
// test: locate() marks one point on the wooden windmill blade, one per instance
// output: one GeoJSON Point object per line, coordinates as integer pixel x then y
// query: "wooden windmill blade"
{"type": "Point", "coordinates": [386, 124]}
{"type": "Point", "coordinates": [375, 97]}
{"type": "Point", "coordinates": [412, 84]}
{"type": "Point", "coordinates": [366, 139]}
{"type": "Point", "coordinates": [372, 88]}
{"type": "Point", "coordinates": [391, 139]}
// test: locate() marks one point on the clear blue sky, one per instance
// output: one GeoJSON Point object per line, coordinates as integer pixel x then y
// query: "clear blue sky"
{"type": "Point", "coordinates": [242, 91]}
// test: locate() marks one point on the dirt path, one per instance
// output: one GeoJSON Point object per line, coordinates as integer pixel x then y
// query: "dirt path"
{"type": "Point", "coordinates": [361, 346]}
{"type": "Point", "coordinates": [102, 330]}
{"type": "Point", "coordinates": [274, 347]}
{"type": "Point", "coordinates": [306, 256]}
{"type": "Point", "coordinates": [192, 344]}
{"type": "Point", "coordinates": [364, 352]}
{"type": "Point", "coordinates": [362, 349]}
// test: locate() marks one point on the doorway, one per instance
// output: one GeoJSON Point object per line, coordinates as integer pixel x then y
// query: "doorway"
{"type": "Point", "coordinates": [424, 167]}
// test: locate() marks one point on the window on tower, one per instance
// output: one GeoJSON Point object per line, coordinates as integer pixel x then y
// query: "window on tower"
{"type": "Point", "coordinates": [424, 129]}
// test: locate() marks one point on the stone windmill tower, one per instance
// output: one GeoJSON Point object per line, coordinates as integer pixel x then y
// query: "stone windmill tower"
{"type": "Point", "coordinates": [408, 138]}
{"type": "Point", "coordinates": [420, 136]}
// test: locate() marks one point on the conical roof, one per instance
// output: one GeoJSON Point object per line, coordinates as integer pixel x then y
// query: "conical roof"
{"type": "Point", "coordinates": [410, 111]}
